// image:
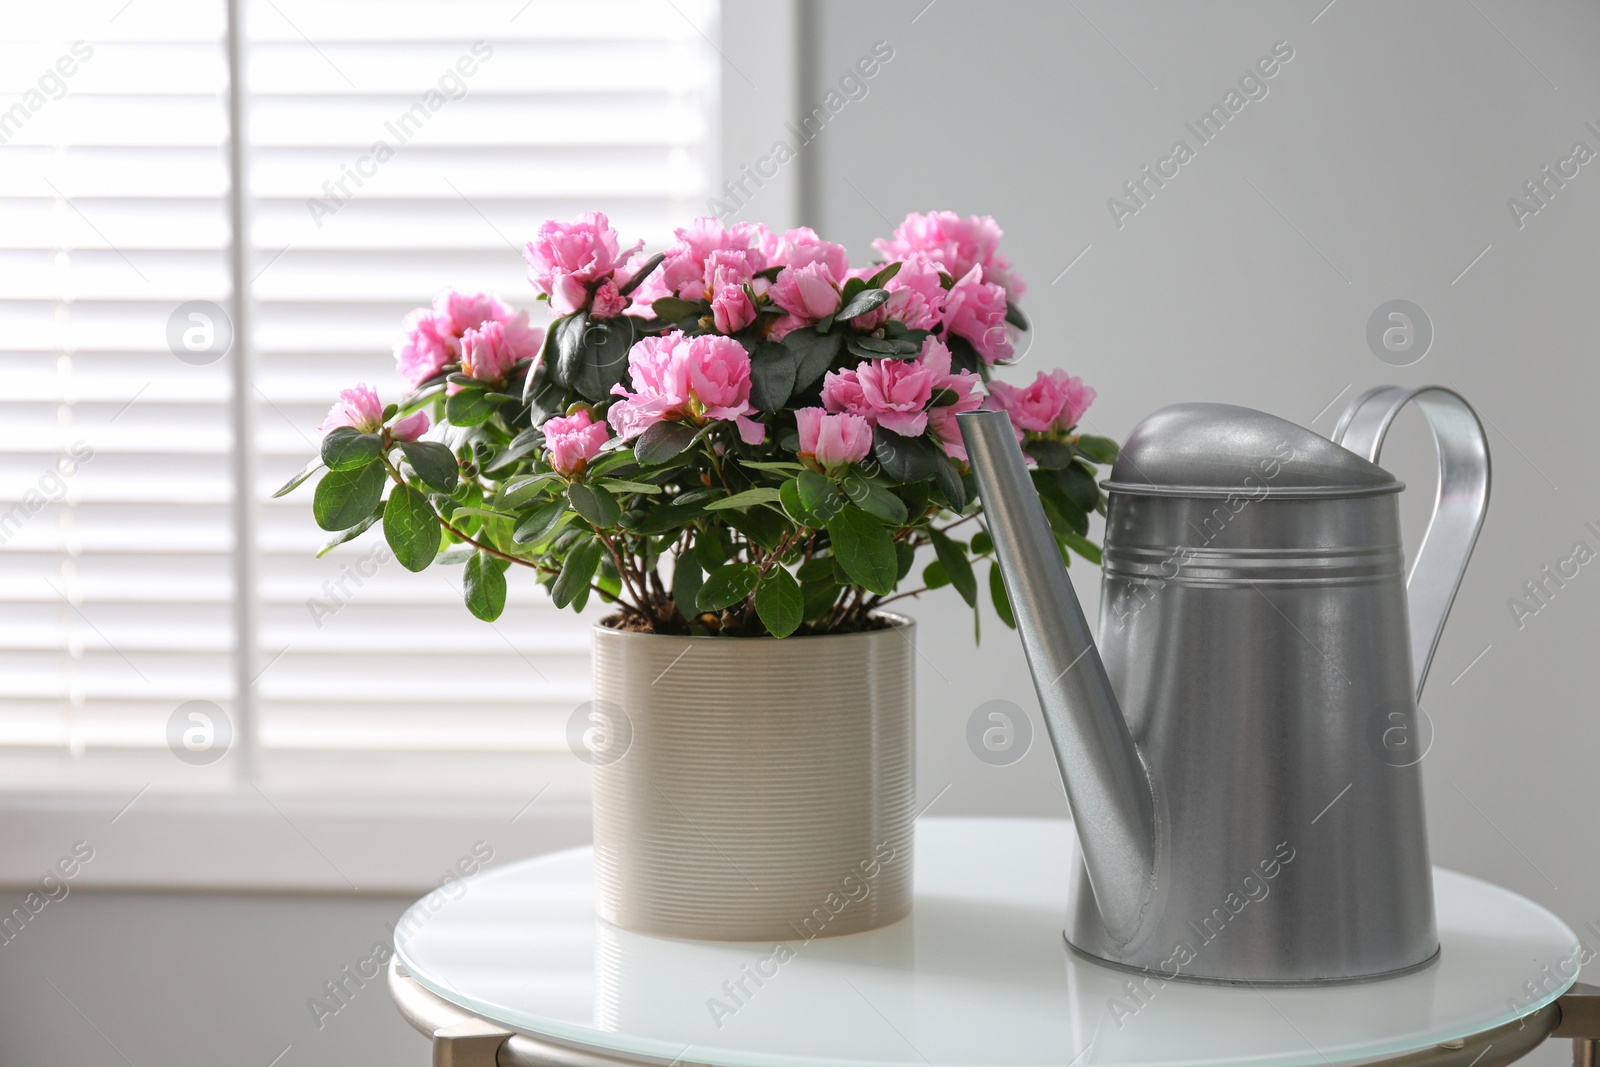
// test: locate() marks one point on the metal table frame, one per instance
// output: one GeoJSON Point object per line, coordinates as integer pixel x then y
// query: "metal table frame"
{"type": "Point", "coordinates": [461, 1039]}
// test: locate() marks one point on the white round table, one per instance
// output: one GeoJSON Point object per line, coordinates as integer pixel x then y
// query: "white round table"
{"type": "Point", "coordinates": [979, 974]}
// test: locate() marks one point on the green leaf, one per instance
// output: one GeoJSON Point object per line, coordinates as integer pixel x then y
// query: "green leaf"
{"type": "Point", "coordinates": [526, 442]}
{"type": "Point", "coordinates": [1083, 547]}
{"type": "Point", "coordinates": [674, 309]}
{"type": "Point", "coordinates": [663, 441]}
{"type": "Point", "coordinates": [779, 603]}
{"type": "Point", "coordinates": [814, 353]}
{"type": "Point", "coordinates": [351, 534]}
{"type": "Point", "coordinates": [819, 596]}
{"type": "Point", "coordinates": [760, 524]}
{"type": "Point", "coordinates": [864, 549]}
{"type": "Point", "coordinates": [470, 406]}
{"type": "Point", "coordinates": [950, 482]}
{"type": "Point", "coordinates": [513, 495]}
{"type": "Point", "coordinates": [1049, 455]}
{"type": "Point", "coordinates": [594, 504]}
{"type": "Point", "coordinates": [863, 302]}
{"type": "Point", "coordinates": [480, 513]}
{"type": "Point", "coordinates": [772, 465]}
{"type": "Point", "coordinates": [748, 498]}
{"type": "Point", "coordinates": [819, 496]}
{"type": "Point", "coordinates": [311, 467]}
{"type": "Point", "coordinates": [794, 507]}
{"type": "Point", "coordinates": [934, 575]}
{"type": "Point", "coordinates": [667, 518]}
{"type": "Point", "coordinates": [982, 543]}
{"type": "Point", "coordinates": [772, 371]}
{"type": "Point", "coordinates": [904, 556]}
{"type": "Point", "coordinates": [622, 485]}
{"type": "Point", "coordinates": [878, 348]}
{"type": "Point", "coordinates": [539, 522]}
{"type": "Point", "coordinates": [687, 578]}
{"type": "Point", "coordinates": [1102, 450]}
{"type": "Point", "coordinates": [344, 498]}
{"type": "Point", "coordinates": [815, 569]}
{"type": "Point", "coordinates": [411, 527]}
{"type": "Point", "coordinates": [434, 463]}
{"type": "Point", "coordinates": [346, 448]}
{"type": "Point", "coordinates": [602, 354]}
{"type": "Point", "coordinates": [874, 498]}
{"type": "Point", "coordinates": [1015, 317]}
{"type": "Point", "coordinates": [997, 593]}
{"type": "Point", "coordinates": [642, 273]}
{"type": "Point", "coordinates": [905, 459]}
{"type": "Point", "coordinates": [953, 559]}
{"type": "Point", "coordinates": [583, 558]}
{"type": "Point", "coordinates": [1076, 483]}
{"type": "Point", "coordinates": [483, 586]}
{"type": "Point", "coordinates": [878, 280]}
{"type": "Point", "coordinates": [727, 585]}
{"type": "Point", "coordinates": [711, 549]}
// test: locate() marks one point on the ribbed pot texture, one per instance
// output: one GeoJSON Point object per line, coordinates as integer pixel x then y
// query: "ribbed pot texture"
{"type": "Point", "coordinates": [767, 788]}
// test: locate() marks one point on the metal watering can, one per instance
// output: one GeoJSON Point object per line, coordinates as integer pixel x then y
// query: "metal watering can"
{"type": "Point", "coordinates": [1240, 751]}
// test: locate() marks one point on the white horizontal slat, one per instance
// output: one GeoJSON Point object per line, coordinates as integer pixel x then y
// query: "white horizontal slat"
{"type": "Point", "coordinates": [117, 580]}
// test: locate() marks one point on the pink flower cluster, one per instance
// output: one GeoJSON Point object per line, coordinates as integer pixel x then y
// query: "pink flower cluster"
{"type": "Point", "coordinates": [908, 396]}
{"type": "Point", "coordinates": [957, 244]}
{"type": "Point", "coordinates": [573, 441]}
{"type": "Point", "coordinates": [433, 336]}
{"type": "Point", "coordinates": [360, 409]}
{"type": "Point", "coordinates": [834, 441]}
{"type": "Point", "coordinates": [682, 378]}
{"type": "Point", "coordinates": [566, 259]}
{"type": "Point", "coordinates": [1053, 401]}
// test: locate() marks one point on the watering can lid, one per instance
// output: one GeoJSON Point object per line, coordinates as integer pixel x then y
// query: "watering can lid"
{"type": "Point", "coordinates": [1201, 449]}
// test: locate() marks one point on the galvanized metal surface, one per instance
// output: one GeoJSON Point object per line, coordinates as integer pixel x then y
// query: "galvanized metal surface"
{"type": "Point", "coordinates": [1255, 659]}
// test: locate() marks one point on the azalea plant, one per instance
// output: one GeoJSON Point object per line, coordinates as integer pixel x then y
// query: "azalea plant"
{"type": "Point", "coordinates": [741, 435]}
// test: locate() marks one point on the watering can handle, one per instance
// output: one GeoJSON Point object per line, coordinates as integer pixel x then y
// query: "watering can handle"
{"type": "Point", "coordinates": [1457, 511]}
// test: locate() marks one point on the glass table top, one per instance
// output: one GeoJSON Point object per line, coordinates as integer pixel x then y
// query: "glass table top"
{"type": "Point", "coordinates": [979, 974]}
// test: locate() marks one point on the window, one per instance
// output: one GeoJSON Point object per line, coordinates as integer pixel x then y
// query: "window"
{"type": "Point", "coordinates": [388, 150]}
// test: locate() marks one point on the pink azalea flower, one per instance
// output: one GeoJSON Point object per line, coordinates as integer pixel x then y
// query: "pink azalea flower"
{"type": "Point", "coordinates": [916, 296]}
{"type": "Point", "coordinates": [360, 409]}
{"type": "Point", "coordinates": [433, 335]}
{"type": "Point", "coordinates": [833, 440]}
{"type": "Point", "coordinates": [566, 258]}
{"type": "Point", "coordinates": [727, 274]}
{"type": "Point", "coordinates": [573, 441]}
{"type": "Point", "coordinates": [807, 292]}
{"type": "Point", "coordinates": [784, 325]}
{"type": "Point", "coordinates": [677, 377]}
{"type": "Point", "coordinates": [357, 407]}
{"type": "Point", "coordinates": [608, 302]}
{"type": "Point", "coordinates": [966, 387]}
{"type": "Point", "coordinates": [683, 273]}
{"type": "Point", "coordinates": [731, 309]}
{"type": "Point", "coordinates": [426, 349]}
{"type": "Point", "coordinates": [1053, 401]}
{"type": "Point", "coordinates": [958, 244]}
{"type": "Point", "coordinates": [490, 351]}
{"type": "Point", "coordinates": [800, 247]}
{"type": "Point", "coordinates": [411, 427]}
{"type": "Point", "coordinates": [892, 393]}
{"type": "Point", "coordinates": [976, 310]}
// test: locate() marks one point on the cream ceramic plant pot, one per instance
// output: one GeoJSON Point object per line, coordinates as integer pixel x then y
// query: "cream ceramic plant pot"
{"type": "Point", "coordinates": [765, 787]}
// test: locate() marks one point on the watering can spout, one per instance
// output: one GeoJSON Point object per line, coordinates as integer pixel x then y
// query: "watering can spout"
{"type": "Point", "coordinates": [1113, 806]}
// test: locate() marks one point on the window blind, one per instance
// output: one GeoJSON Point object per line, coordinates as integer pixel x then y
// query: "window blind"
{"type": "Point", "coordinates": [389, 149]}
